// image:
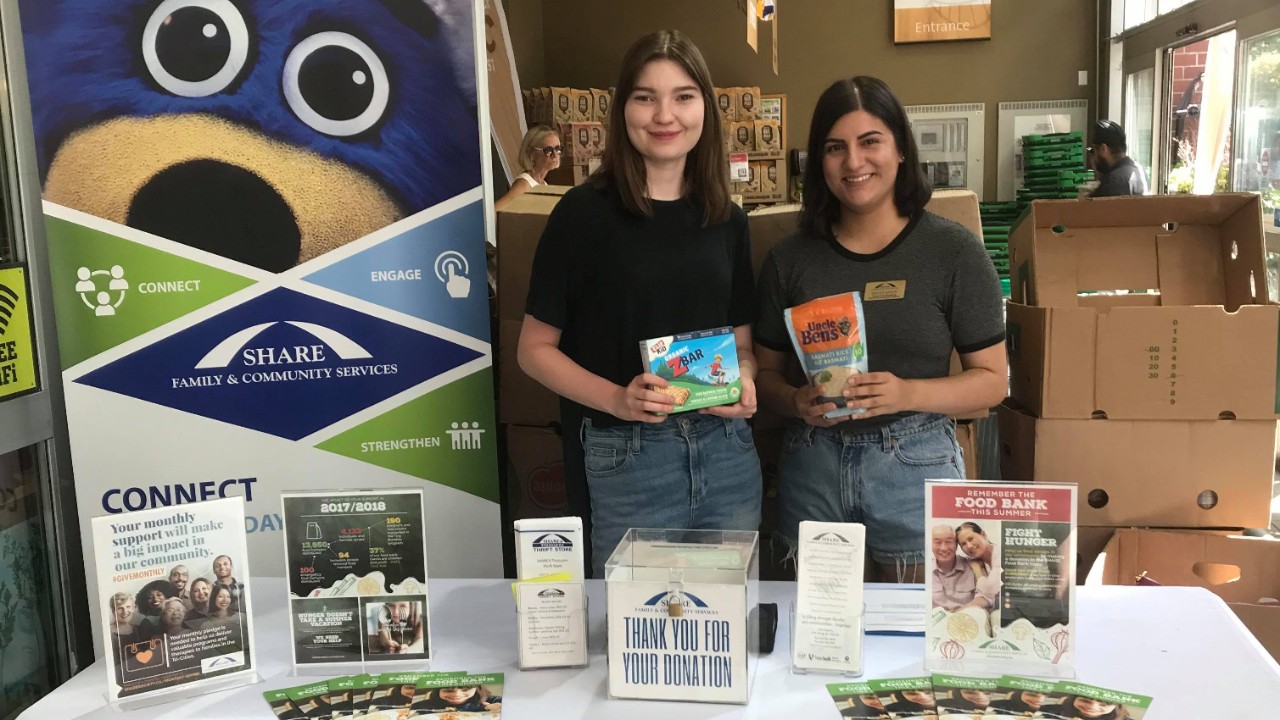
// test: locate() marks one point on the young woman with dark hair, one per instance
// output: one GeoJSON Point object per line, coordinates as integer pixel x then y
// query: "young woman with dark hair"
{"type": "Point", "coordinates": [651, 246]}
{"type": "Point", "coordinates": [466, 698]}
{"type": "Point", "coordinates": [864, 225]}
{"type": "Point", "coordinates": [150, 599]}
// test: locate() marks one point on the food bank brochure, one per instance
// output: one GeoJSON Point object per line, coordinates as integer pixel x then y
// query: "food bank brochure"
{"type": "Point", "coordinates": [1001, 560]}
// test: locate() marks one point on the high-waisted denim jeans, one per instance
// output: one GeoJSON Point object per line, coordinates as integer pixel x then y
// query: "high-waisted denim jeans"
{"type": "Point", "coordinates": [691, 471]}
{"type": "Point", "coordinates": [874, 476]}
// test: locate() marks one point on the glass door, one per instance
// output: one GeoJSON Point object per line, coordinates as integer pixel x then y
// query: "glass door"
{"type": "Point", "coordinates": [1256, 156]}
{"type": "Point", "coordinates": [43, 618]}
{"type": "Point", "coordinates": [28, 644]}
{"type": "Point", "coordinates": [1199, 83]}
{"type": "Point", "coordinates": [1139, 117]}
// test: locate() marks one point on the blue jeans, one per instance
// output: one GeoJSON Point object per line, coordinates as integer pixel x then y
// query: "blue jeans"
{"type": "Point", "coordinates": [690, 472]}
{"type": "Point", "coordinates": [873, 476]}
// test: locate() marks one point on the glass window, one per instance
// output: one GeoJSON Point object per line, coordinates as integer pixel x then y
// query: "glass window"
{"type": "Point", "coordinates": [1256, 151]}
{"type": "Point", "coordinates": [1139, 101]}
{"type": "Point", "coordinates": [27, 643]}
{"type": "Point", "coordinates": [1137, 12]}
{"type": "Point", "coordinates": [1171, 5]}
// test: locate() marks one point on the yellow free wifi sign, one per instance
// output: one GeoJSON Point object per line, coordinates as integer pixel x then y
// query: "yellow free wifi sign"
{"type": "Point", "coordinates": [17, 350]}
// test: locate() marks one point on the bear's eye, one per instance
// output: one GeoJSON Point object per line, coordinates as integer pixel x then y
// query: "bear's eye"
{"type": "Point", "coordinates": [195, 48]}
{"type": "Point", "coordinates": [336, 84]}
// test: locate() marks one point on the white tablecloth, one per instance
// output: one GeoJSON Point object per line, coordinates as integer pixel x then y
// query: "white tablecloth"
{"type": "Point", "coordinates": [1183, 646]}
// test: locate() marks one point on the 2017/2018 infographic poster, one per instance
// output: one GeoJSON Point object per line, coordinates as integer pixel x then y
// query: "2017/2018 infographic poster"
{"type": "Point", "coordinates": [357, 574]}
{"type": "Point", "coordinates": [172, 583]}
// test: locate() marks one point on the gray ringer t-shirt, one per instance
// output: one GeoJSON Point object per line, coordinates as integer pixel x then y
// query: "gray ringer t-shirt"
{"type": "Point", "coordinates": [939, 287]}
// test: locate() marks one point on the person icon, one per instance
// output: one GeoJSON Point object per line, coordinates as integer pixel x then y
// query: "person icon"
{"type": "Point", "coordinates": [584, 105]}
{"type": "Point", "coordinates": [744, 136]}
{"type": "Point", "coordinates": [84, 283]}
{"type": "Point", "coordinates": [117, 279]}
{"type": "Point", "coordinates": [723, 101]}
{"type": "Point", "coordinates": [104, 305]}
{"type": "Point", "coordinates": [602, 106]}
{"type": "Point", "coordinates": [597, 137]}
{"type": "Point", "coordinates": [766, 134]}
{"type": "Point", "coordinates": [748, 101]}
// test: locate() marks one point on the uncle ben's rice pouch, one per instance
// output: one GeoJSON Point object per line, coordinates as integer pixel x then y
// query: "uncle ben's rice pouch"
{"type": "Point", "coordinates": [827, 336]}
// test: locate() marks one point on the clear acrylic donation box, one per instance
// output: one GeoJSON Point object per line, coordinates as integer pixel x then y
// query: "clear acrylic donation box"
{"type": "Point", "coordinates": [683, 617]}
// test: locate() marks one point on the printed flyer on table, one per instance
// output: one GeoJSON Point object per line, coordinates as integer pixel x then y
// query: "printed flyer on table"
{"type": "Point", "coordinates": [357, 576]}
{"type": "Point", "coordinates": [178, 611]}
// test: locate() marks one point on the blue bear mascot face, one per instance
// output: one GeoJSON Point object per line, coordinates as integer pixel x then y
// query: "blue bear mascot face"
{"type": "Point", "coordinates": [265, 131]}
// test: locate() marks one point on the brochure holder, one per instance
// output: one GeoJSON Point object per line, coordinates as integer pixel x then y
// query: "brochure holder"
{"type": "Point", "coordinates": [356, 576]}
{"type": "Point", "coordinates": [144, 562]}
{"type": "Point", "coordinates": [828, 617]}
{"type": "Point", "coordinates": [331, 670]}
{"type": "Point", "coordinates": [858, 636]}
{"type": "Point", "coordinates": [124, 705]}
{"type": "Point", "coordinates": [551, 624]}
{"type": "Point", "coordinates": [682, 615]}
{"type": "Point", "coordinates": [1016, 542]}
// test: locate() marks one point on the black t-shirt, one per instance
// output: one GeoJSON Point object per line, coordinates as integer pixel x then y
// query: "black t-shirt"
{"type": "Point", "coordinates": [949, 296]}
{"type": "Point", "coordinates": [1126, 178]}
{"type": "Point", "coordinates": [609, 279]}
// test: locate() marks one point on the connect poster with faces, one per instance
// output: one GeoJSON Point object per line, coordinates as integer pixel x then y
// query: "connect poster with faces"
{"type": "Point", "coordinates": [357, 576]}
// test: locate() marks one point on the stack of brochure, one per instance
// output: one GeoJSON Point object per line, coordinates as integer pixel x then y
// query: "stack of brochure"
{"type": "Point", "coordinates": [955, 697]}
{"type": "Point", "coordinates": [895, 611]}
{"type": "Point", "coordinates": [391, 696]}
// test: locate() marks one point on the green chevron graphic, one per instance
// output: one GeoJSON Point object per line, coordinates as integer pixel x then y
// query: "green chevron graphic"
{"type": "Point", "coordinates": [108, 290]}
{"type": "Point", "coordinates": [442, 436]}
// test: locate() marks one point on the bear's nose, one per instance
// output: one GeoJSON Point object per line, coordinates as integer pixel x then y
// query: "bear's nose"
{"type": "Point", "coordinates": [220, 208]}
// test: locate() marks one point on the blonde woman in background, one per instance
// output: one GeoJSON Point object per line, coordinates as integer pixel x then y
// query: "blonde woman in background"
{"type": "Point", "coordinates": [539, 154]}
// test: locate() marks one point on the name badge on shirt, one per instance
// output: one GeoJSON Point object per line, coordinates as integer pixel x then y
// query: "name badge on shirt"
{"type": "Point", "coordinates": [885, 290]}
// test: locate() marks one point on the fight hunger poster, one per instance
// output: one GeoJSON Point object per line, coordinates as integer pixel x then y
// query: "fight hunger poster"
{"type": "Point", "coordinates": [1000, 559]}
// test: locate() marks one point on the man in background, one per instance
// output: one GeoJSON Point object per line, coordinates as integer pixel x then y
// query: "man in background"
{"type": "Point", "coordinates": [1107, 154]}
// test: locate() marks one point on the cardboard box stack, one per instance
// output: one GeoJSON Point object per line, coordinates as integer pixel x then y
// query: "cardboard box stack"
{"type": "Point", "coordinates": [581, 117]}
{"type": "Point", "coordinates": [1143, 360]}
{"type": "Point", "coordinates": [761, 138]}
{"type": "Point", "coordinates": [1243, 571]}
{"type": "Point", "coordinates": [527, 412]}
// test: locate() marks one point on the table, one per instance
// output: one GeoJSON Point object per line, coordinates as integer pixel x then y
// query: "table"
{"type": "Point", "coordinates": [1183, 646]}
